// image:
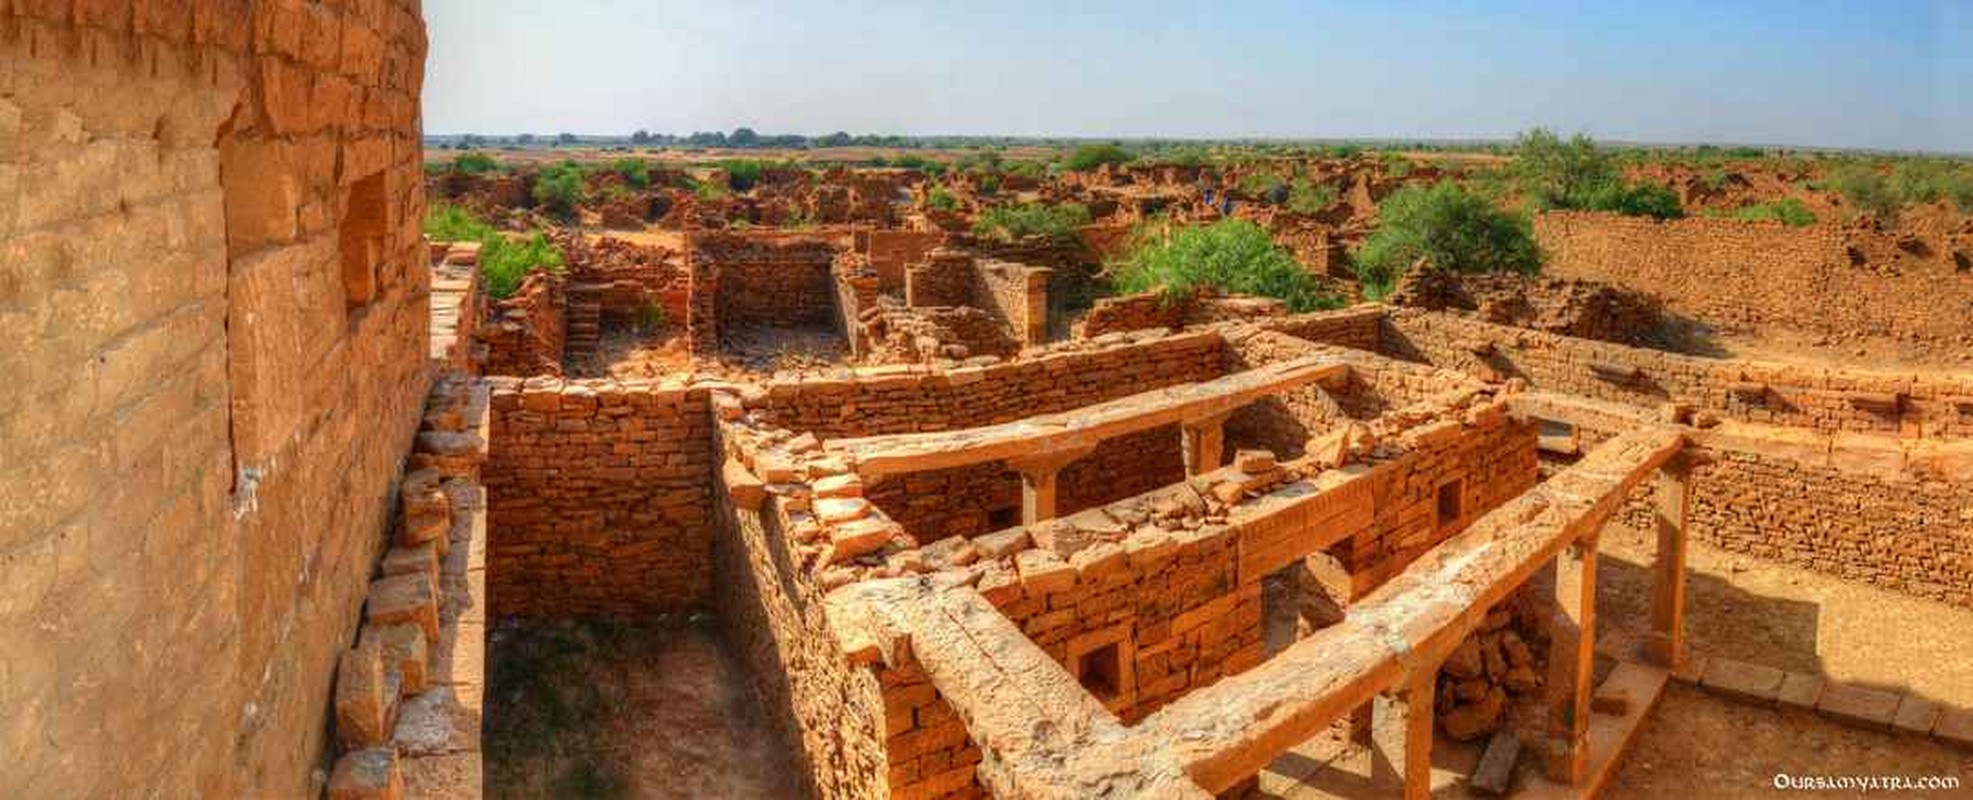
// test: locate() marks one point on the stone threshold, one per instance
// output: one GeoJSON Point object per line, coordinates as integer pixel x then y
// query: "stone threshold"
{"type": "Point", "coordinates": [1852, 704]}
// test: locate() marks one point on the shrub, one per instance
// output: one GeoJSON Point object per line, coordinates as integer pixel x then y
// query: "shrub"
{"type": "Point", "coordinates": [559, 188]}
{"type": "Point", "coordinates": [1012, 222]}
{"type": "Point", "coordinates": [1396, 166]}
{"type": "Point", "coordinates": [504, 262]}
{"type": "Point", "coordinates": [474, 164]}
{"type": "Point", "coordinates": [742, 173]}
{"type": "Point", "coordinates": [1865, 189]}
{"type": "Point", "coordinates": [1637, 200]}
{"type": "Point", "coordinates": [1926, 181]}
{"type": "Point", "coordinates": [1091, 156]}
{"type": "Point", "coordinates": [1789, 211]}
{"type": "Point", "coordinates": [1234, 256]}
{"type": "Point", "coordinates": [1259, 184]}
{"type": "Point", "coordinates": [941, 199]}
{"type": "Point", "coordinates": [1453, 228]}
{"type": "Point", "coordinates": [1310, 198]}
{"type": "Point", "coordinates": [1558, 174]}
{"type": "Point", "coordinates": [634, 171]}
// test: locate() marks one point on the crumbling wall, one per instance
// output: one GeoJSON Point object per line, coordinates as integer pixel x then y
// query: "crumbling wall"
{"type": "Point", "coordinates": [770, 281]}
{"type": "Point", "coordinates": [1938, 405]}
{"type": "Point", "coordinates": [1154, 309]}
{"type": "Point", "coordinates": [1017, 294]}
{"type": "Point", "coordinates": [892, 400]}
{"type": "Point", "coordinates": [599, 498]}
{"type": "Point", "coordinates": [973, 500]}
{"type": "Point", "coordinates": [828, 711]}
{"type": "Point", "coordinates": [1735, 273]}
{"type": "Point", "coordinates": [217, 289]}
{"type": "Point", "coordinates": [892, 251]}
{"type": "Point", "coordinates": [528, 330]}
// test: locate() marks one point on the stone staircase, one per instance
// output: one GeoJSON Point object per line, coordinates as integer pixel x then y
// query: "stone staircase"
{"type": "Point", "coordinates": [585, 322]}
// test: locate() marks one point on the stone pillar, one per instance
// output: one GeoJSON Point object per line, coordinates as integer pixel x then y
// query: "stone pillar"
{"type": "Point", "coordinates": [1038, 481]}
{"type": "Point", "coordinates": [1672, 512]}
{"type": "Point", "coordinates": [1571, 671]}
{"type": "Point", "coordinates": [1034, 326]}
{"type": "Point", "coordinates": [1203, 440]}
{"type": "Point", "coordinates": [1401, 739]}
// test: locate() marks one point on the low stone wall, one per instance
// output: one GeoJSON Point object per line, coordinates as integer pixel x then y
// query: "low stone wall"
{"type": "Point", "coordinates": [891, 251]}
{"type": "Point", "coordinates": [528, 329]}
{"type": "Point", "coordinates": [887, 400]}
{"type": "Point", "coordinates": [1017, 294]}
{"type": "Point", "coordinates": [769, 280]}
{"type": "Point", "coordinates": [1359, 327]}
{"type": "Point", "coordinates": [599, 498]}
{"type": "Point", "coordinates": [1934, 405]}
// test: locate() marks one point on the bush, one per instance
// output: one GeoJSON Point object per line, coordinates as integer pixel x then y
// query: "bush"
{"type": "Point", "coordinates": [634, 171]}
{"type": "Point", "coordinates": [1234, 256]}
{"type": "Point", "coordinates": [1310, 198]}
{"type": "Point", "coordinates": [1789, 211]}
{"type": "Point", "coordinates": [1865, 189]}
{"type": "Point", "coordinates": [1926, 181]}
{"type": "Point", "coordinates": [1008, 223]}
{"type": "Point", "coordinates": [1396, 166]}
{"type": "Point", "coordinates": [1453, 228]}
{"type": "Point", "coordinates": [1091, 156]}
{"type": "Point", "coordinates": [1558, 174]}
{"type": "Point", "coordinates": [742, 173]}
{"type": "Point", "coordinates": [474, 164]}
{"type": "Point", "coordinates": [941, 199]}
{"type": "Point", "coordinates": [504, 262]}
{"type": "Point", "coordinates": [1637, 200]}
{"type": "Point", "coordinates": [1259, 184]}
{"type": "Point", "coordinates": [559, 188]}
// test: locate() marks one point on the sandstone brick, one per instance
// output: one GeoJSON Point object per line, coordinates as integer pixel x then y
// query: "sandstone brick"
{"type": "Point", "coordinates": [409, 598]}
{"type": "Point", "coordinates": [368, 774]}
{"type": "Point", "coordinates": [1799, 690]}
{"type": "Point", "coordinates": [1751, 682]}
{"type": "Point", "coordinates": [1859, 705]}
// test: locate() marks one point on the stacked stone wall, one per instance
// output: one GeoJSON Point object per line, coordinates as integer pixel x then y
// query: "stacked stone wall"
{"type": "Point", "coordinates": [899, 400]}
{"type": "Point", "coordinates": [771, 281]}
{"type": "Point", "coordinates": [1737, 273]}
{"type": "Point", "coordinates": [600, 499]}
{"type": "Point", "coordinates": [1906, 404]}
{"type": "Point", "coordinates": [528, 330]}
{"type": "Point", "coordinates": [892, 251]}
{"type": "Point", "coordinates": [215, 287]}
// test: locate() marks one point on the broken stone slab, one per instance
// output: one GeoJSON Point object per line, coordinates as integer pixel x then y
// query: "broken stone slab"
{"type": "Point", "coordinates": [841, 509]}
{"type": "Point", "coordinates": [1002, 543]}
{"type": "Point", "coordinates": [1859, 705]}
{"type": "Point", "coordinates": [858, 537]}
{"type": "Point", "coordinates": [411, 598]}
{"type": "Point", "coordinates": [367, 774]}
{"type": "Point", "coordinates": [1754, 683]}
{"type": "Point", "coordinates": [1494, 775]}
{"type": "Point", "coordinates": [839, 486]}
{"type": "Point", "coordinates": [1610, 700]}
{"type": "Point", "coordinates": [1043, 572]}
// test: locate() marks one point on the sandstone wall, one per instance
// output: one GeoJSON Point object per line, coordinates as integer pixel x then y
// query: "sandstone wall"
{"type": "Point", "coordinates": [895, 400]}
{"type": "Point", "coordinates": [891, 251]}
{"type": "Point", "coordinates": [1899, 529]}
{"type": "Point", "coordinates": [969, 501]}
{"type": "Point", "coordinates": [770, 281]}
{"type": "Point", "coordinates": [1017, 294]}
{"type": "Point", "coordinates": [1749, 273]}
{"type": "Point", "coordinates": [528, 330]}
{"type": "Point", "coordinates": [599, 498]}
{"type": "Point", "coordinates": [824, 709]}
{"type": "Point", "coordinates": [212, 268]}
{"type": "Point", "coordinates": [1929, 405]}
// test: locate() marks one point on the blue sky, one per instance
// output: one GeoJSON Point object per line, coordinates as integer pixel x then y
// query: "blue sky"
{"type": "Point", "coordinates": [1895, 75]}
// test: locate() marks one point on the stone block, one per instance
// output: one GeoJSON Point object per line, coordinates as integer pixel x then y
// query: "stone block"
{"type": "Point", "coordinates": [1915, 715]}
{"type": "Point", "coordinates": [1859, 705]}
{"type": "Point", "coordinates": [411, 598]}
{"type": "Point", "coordinates": [1043, 572]}
{"type": "Point", "coordinates": [423, 559]}
{"type": "Point", "coordinates": [1494, 775]}
{"type": "Point", "coordinates": [1955, 727]}
{"type": "Point", "coordinates": [1800, 691]}
{"type": "Point", "coordinates": [851, 539]}
{"type": "Point", "coordinates": [1750, 682]}
{"type": "Point", "coordinates": [368, 774]}
{"type": "Point", "coordinates": [366, 696]}
{"type": "Point", "coordinates": [405, 652]}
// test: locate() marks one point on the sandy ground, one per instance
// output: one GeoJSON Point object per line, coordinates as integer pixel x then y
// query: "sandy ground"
{"type": "Point", "coordinates": [653, 709]}
{"type": "Point", "coordinates": [1699, 745]}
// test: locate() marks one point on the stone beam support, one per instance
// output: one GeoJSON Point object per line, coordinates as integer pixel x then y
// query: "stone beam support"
{"type": "Point", "coordinates": [1038, 475]}
{"type": "Point", "coordinates": [1204, 440]}
{"type": "Point", "coordinates": [1401, 739]}
{"type": "Point", "coordinates": [1571, 666]}
{"type": "Point", "coordinates": [1673, 493]}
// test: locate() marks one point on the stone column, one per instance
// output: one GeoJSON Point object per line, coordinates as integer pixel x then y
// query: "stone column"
{"type": "Point", "coordinates": [1038, 481]}
{"type": "Point", "coordinates": [1203, 440]}
{"type": "Point", "coordinates": [1401, 739]}
{"type": "Point", "coordinates": [1672, 512]}
{"type": "Point", "coordinates": [1571, 671]}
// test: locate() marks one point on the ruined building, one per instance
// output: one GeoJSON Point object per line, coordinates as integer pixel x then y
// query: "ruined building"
{"type": "Point", "coordinates": [272, 469]}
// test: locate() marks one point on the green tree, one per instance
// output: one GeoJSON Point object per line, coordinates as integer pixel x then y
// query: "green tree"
{"type": "Point", "coordinates": [1867, 191]}
{"type": "Point", "coordinates": [1091, 156]}
{"type": "Point", "coordinates": [1558, 174]}
{"type": "Point", "coordinates": [474, 164]}
{"type": "Point", "coordinates": [1232, 256]}
{"type": "Point", "coordinates": [1452, 228]}
{"type": "Point", "coordinates": [559, 188]}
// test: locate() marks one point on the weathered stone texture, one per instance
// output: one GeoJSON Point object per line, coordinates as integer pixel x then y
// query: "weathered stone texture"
{"type": "Point", "coordinates": [200, 428]}
{"type": "Point", "coordinates": [600, 498]}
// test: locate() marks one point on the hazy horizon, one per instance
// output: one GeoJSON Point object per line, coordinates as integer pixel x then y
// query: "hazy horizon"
{"type": "Point", "coordinates": [1813, 75]}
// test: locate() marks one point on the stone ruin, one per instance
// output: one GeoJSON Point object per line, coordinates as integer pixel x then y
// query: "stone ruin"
{"type": "Point", "coordinates": [302, 478]}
